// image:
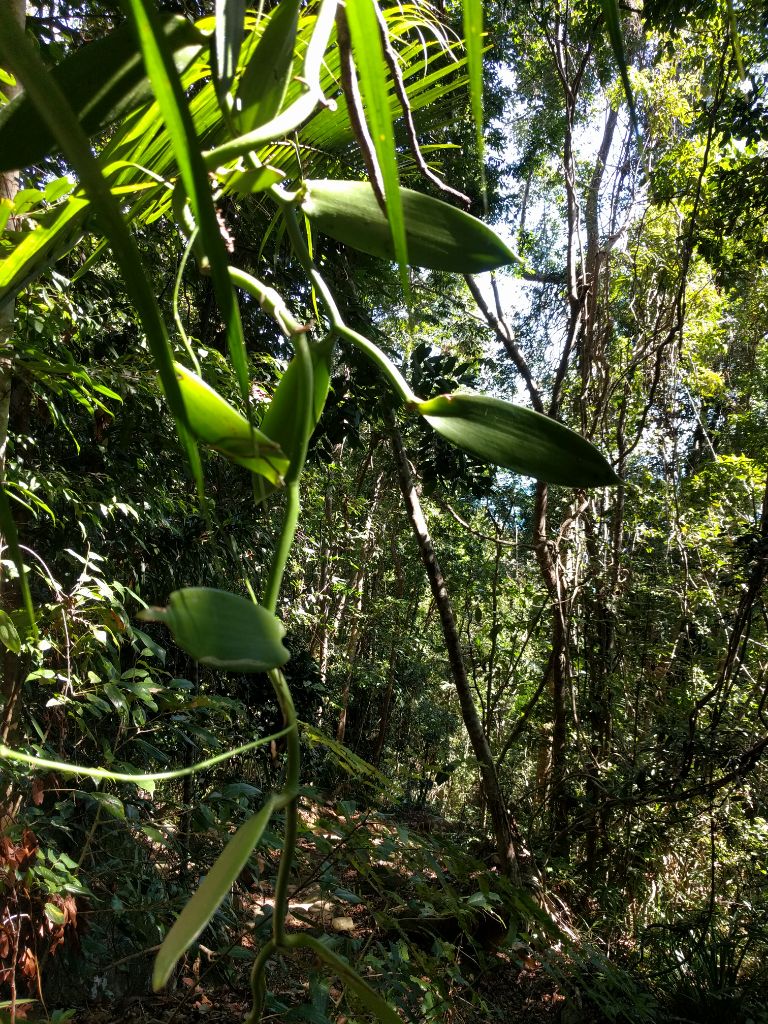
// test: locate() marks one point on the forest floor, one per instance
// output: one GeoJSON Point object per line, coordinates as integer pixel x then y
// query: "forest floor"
{"type": "Point", "coordinates": [389, 891]}
{"type": "Point", "coordinates": [525, 997]}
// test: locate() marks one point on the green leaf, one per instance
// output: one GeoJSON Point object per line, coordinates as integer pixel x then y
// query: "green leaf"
{"type": "Point", "coordinates": [440, 237]}
{"type": "Point", "coordinates": [245, 183]}
{"type": "Point", "coordinates": [221, 629]}
{"type": "Point", "coordinates": [103, 81]}
{"type": "Point", "coordinates": [155, 835]}
{"type": "Point", "coordinates": [284, 419]}
{"type": "Point", "coordinates": [8, 531]}
{"type": "Point", "coordinates": [110, 804]}
{"type": "Point", "coordinates": [59, 118]}
{"type": "Point", "coordinates": [374, 77]}
{"type": "Point", "coordinates": [214, 887]}
{"type": "Point", "coordinates": [213, 421]}
{"type": "Point", "coordinates": [54, 914]}
{"type": "Point", "coordinates": [8, 633]}
{"type": "Point", "coordinates": [56, 233]}
{"type": "Point", "coordinates": [179, 123]}
{"type": "Point", "coordinates": [265, 80]}
{"type": "Point", "coordinates": [517, 438]}
{"type": "Point", "coordinates": [228, 38]}
{"type": "Point", "coordinates": [368, 996]}
{"type": "Point", "coordinates": [117, 698]}
{"type": "Point", "coordinates": [473, 41]}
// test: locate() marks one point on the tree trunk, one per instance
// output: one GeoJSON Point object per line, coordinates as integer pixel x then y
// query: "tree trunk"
{"type": "Point", "coordinates": [10, 689]}
{"type": "Point", "coordinates": [506, 832]}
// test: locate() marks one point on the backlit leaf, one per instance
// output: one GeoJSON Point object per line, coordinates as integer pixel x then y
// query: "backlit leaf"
{"type": "Point", "coordinates": [473, 41]}
{"type": "Point", "coordinates": [284, 419]}
{"type": "Point", "coordinates": [109, 803]}
{"type": "Point", "coordinates": [373, 74]}
{"type": "Point", "coordinates": [214, 421]}
{"type": "Point", "coordinates": [228, 38]}
{"type": "Point", "coordinates": [440, 237]}
{"type": "Point", "coordinates": [265, 80]}
{"type": "Point", "coordinates": [518, 439]}
{"type": "Point", "coordinates": [179, 123]}
{"type": "Point", "coordinates": [221, 629]}
{"type": "Point", "coordinates": [9, 635]}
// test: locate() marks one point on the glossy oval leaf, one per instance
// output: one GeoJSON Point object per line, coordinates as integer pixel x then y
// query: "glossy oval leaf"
{"type": "Point", "coordinates": [265, 80]}
{"type": "Point", "coordinates": [519, 439]}
{"type": "Point", "coordinates": [103, 81]}
{"type": "Point", "coordinates": [214, 421]}
{"type": "Point", "coordinates": [214, 887]}
{"type": "Point", "coordinates": [222, 629]}
{"type": "Point", "coordinates": [439, 236]}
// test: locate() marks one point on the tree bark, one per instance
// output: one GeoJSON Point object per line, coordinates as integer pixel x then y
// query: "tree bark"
{"type": "Point", "coordinates": [10, 690]}
{"type": "Point", "coordinates": [506, 833]}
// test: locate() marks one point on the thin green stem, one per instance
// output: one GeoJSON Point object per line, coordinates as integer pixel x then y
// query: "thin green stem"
{"type": "Point", "coordinates": [270, 300]}
{"type": "Point", "coordinates": [104, 773]}
{"type": "Point", "coordinates": [284, 545]}
{"type": "Point", "coordinates": [176, 289]}
{"type": "Point", "coordinates": [274, 303]}
{"type": "Point", "coordinates": [374, 353]}
{"type": "Point", "coordinates": [258, 983]}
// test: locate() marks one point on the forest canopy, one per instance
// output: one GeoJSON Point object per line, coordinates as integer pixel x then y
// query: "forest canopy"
{"type": "Point", "coordinates": [384, 510]}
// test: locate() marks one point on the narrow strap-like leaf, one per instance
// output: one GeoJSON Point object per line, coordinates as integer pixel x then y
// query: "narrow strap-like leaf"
{"type": "Point", "coordinates": [473, 41]}
{"type": "Point", "coordinates": [214, 887]}
{"type": "Point", "coordinates": [62, 122]}
{"type": "Point", "coordinates": [265, 79]}
{"type": "Point", "coordinates": [178, 121]}
{"type": "Point", "coordinates": [228, 38]}
{"type": "Point", "coordinates": [372, 73]}
{"type": "Point", "coordinates": [103, 81]}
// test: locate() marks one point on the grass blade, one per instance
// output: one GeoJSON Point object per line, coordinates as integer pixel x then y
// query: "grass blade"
{"type": "Point", "coordinates": [230, 27]}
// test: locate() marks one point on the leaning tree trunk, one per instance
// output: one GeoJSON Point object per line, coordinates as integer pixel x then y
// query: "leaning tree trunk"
{"type": "Point", "coordinates": [10, 688]}
{"type": "Point", "coordinates": [506, 833]}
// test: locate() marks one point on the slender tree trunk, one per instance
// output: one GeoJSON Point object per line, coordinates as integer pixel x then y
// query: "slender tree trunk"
{"type": "Point", "coordinates": [402, 621]}
{"type": "Point", "coordinates": [506, 832]}
{"type": "Point", "coordinates": [10, 689]}
{"type": "Point", "coordinates": [357, 588]}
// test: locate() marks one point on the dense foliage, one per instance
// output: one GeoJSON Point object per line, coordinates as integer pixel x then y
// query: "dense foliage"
{"type": "Point", "coordinates": [531, 709]}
